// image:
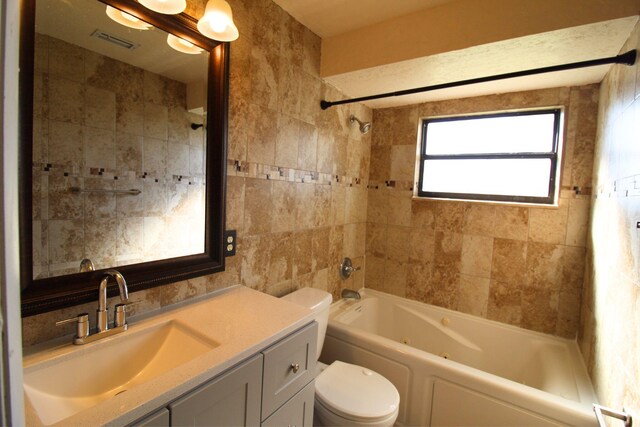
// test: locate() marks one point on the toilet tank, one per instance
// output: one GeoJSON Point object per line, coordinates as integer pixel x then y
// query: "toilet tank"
{"type": "Point", "coordinates": [317, 301]}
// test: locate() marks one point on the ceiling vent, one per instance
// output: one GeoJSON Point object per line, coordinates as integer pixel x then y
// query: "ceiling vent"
{"type": "Point", "coordinates": [119, 41]}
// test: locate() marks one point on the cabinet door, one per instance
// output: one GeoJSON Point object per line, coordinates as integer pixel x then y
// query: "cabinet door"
{"type": "Point", "coordinates": [288, 366]}
{"type": "Point", "coordinates": [157, 419]}
{"type": "Point", "coordinates": [297, 412]}
{"type": "Point", "coordinates": [232, 399]}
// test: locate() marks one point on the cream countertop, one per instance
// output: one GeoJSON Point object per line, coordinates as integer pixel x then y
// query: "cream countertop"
{"type": "Point", "coordinates": [242, 320]}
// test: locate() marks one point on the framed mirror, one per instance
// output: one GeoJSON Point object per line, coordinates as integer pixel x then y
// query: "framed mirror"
{"type": "Point", "coordinates": [122, 149]}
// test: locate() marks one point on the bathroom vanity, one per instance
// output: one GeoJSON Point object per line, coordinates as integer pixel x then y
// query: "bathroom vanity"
{"type": "Point", "coordinates": [284, 390]}
{"type": "Point", "coordinates": [238, 357]}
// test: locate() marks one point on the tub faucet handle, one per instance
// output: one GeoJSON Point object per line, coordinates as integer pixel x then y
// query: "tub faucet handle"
{"type": "Point", "coordinates": [346, 268]}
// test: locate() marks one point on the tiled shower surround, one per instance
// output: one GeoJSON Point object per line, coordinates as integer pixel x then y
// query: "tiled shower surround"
{"type": "Point", "coordinates": [514, 264]}
{"type": "Point", "coordinates": [106, 125]}
{"type": "Point", "coordinates": [297, 180]}
{"type": "Point", "coordinates": [610, 322]}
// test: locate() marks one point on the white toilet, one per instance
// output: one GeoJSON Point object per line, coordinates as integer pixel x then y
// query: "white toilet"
{"type": "Point", "coordinates": [346, 395]}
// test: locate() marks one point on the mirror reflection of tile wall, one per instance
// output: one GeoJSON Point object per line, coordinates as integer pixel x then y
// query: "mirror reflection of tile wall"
{"type": "Point", "coordinates": [102, 124]}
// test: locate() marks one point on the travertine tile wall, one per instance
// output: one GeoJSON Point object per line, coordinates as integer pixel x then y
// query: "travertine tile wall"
{"type": "Point", "coordinates": [518, 265]}
{"type": "Point", "coordinates": [610, 322]}
{"type": "Point", "coordinates": [101, 124]}
{"type": "Point", "coordinates": [297, 186]}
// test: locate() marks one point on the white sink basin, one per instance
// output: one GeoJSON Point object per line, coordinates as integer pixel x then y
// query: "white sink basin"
{"type": "Point", "coordinates": [66, 385]}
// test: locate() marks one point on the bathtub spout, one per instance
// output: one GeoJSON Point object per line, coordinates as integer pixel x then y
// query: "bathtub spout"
{"type": "Point", "coordinates": [350, 294]}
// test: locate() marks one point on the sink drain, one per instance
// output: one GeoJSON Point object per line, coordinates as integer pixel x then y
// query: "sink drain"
{"type": "Point", "coordinates": [120, 392]}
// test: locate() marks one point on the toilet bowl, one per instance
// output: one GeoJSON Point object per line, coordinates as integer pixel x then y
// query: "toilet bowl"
{"type": "Point", "coordinates": [346, 395]}
{"type": "Point", "coordinates": [352, 395]}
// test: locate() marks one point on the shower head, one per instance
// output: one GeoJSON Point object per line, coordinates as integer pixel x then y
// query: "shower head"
{"type": "Point", "coordinates": [365, 127]}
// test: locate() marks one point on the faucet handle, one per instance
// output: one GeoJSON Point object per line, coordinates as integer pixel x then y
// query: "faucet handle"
{"type": "Point", "coordinates": [347, 268]}
{"type": "Point", "coordinates": [82, 324]}
{"type": "Point", "coordinates": [120, 315]}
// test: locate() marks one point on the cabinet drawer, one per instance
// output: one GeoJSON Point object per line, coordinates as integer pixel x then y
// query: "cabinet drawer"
{"type": "Point", "coordinates": [297, 412]}
{"type": "Point", "coordinates": [288, 366]}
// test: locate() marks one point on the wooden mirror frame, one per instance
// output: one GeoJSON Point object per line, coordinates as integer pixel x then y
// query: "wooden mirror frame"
{"type": "Point", "coordinates": [43, 295]}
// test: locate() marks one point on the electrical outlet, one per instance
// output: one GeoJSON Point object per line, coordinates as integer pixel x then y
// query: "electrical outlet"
{"type": "Point", "coordinates": [230, 241]}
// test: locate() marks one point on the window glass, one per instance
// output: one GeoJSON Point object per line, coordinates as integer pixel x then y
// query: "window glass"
{"type": "Point", "coordinates": [527, 177]}
{"type": "Point", "coordinates": [511, 156]}
{"type": "Point", "coordinates": [506, 134]}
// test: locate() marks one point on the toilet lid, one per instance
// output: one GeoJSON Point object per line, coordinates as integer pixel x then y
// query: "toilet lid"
{"type": "Point", "coordinates": [354, 392]}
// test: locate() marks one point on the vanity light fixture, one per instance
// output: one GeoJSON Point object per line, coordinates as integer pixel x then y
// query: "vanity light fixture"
{"type": "Point", "coordinates": [217, 22]}
{"type": "Point", "coordinates": [168, 7]}
{"type": "Point", "coordinates": [123, 18]}
{"type": "Point", "coordinates": [182, 45]}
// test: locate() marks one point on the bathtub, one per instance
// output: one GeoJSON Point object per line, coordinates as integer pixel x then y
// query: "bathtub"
{"type": "Point", "coordinates": [453, 369]}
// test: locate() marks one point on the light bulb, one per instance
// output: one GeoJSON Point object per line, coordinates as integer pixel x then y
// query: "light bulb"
{"type": "Point", "coordinates": [128, 17]}
{"type": "Point", "coordinates": [217, 22]}
{"type": "Point", "coordinates": [123, 18]}
{"type": "Point", "coordinates": [182, 45]}
{"type": "Point", "coordinates": [168, 7]}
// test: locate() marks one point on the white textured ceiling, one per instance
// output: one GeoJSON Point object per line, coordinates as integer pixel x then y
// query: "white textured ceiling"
{"type": "Point", "coordinates": [328, 18]}
{"type": "Point", "coordinates": [568, 45]}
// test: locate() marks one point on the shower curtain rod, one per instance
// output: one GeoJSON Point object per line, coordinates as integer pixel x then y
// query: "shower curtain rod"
{"type": "Point", "coordinates": [628, 58]}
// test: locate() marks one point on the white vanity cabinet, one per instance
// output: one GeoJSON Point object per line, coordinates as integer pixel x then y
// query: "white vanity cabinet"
{"type": "Point", "coordinates": [273, 388]}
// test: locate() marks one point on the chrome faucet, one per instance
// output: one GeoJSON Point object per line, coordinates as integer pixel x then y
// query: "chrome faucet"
{"type": "Point", "coordinates": [102, 313]}
{"type": "Point", "coordinates": [83, 332]}
{"type": "Point", "coordinates": [350, 294]}
{"type": "Point", "coordinates": [347, 268]}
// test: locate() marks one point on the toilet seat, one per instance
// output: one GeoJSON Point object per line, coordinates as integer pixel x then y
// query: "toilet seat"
{"type": "Point", "coordinates": [356, 393]}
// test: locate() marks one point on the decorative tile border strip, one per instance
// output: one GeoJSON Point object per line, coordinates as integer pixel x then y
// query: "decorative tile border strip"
{"type": "Point", "coordinates": [53, 169]}
{"type": "Point", "coordinates": [565, 192]}
{"type": "Point", "coordinates": [392, 185]}
{"type": "Point", "coordinates": [278, 173]}
{"type": "Point", "coordinates": [575, 192]}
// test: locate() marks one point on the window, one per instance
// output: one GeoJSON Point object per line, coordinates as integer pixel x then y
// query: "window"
{"type": "Point", "coordinates": [506, 157]}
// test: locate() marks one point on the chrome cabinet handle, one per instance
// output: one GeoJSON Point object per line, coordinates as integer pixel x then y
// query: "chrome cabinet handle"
{"type": "Point", "coordinates": [295, 367]}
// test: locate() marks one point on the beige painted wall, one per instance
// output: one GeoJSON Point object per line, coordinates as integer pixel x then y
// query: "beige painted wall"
{"type": "Point", "coordinates": [297, 174]}
{"type": "Point", "coordinates": [460, 24]}
{"type": "Point", "coordinates": [518, 265]}
{"type": "Point", "coordinates": [610, 327]}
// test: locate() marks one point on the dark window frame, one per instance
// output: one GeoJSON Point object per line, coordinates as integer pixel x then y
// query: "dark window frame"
{"type": "Point", "coordinates": [553, 155]}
